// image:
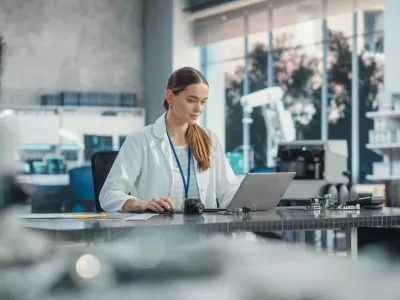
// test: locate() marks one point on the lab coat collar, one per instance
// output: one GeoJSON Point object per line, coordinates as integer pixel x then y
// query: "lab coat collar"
{"type": "Point", "coordinates": [159, 128]}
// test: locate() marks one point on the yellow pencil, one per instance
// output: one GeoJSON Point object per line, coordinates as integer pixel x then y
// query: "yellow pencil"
{"type": "Point", "coordinates": [103, 216]}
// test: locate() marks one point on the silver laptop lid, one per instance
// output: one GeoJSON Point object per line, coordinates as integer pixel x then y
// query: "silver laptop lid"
{"type": "Point", "coordinates": [261, 191]}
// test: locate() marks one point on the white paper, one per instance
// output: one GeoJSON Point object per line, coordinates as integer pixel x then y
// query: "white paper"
{"type": "Point", "coordinates": [77, 216]}
{"type": "Point", "coordinates": [56, 216]}
{"type": "Point", "coordinates": [139, 217]}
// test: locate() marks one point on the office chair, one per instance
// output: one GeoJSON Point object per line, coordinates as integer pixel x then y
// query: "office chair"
{"type": "Point", "coordinates": [102, 162]}
{"type": "Point", "coordinates": [82, 190]}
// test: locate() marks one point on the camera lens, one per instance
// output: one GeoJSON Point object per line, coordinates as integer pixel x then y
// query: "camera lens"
{"type": "Point", "coordinates": [200, 207]}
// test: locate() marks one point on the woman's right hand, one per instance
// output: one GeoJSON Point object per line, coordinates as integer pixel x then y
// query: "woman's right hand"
{"type": "Point", "coordinates": [157, 204]}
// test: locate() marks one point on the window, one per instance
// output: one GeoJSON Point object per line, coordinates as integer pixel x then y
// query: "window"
{"type": "Point", "coordinates": [373, 31]}
{"type": "Point", "coordinates": [297, 68]}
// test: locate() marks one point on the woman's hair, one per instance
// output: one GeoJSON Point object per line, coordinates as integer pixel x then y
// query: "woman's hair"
{"type": "Point", "coordinates": [200, 142]}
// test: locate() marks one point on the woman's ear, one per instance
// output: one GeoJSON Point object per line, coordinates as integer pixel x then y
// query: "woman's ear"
{"type": "Point", "coordinates": [168, 96]}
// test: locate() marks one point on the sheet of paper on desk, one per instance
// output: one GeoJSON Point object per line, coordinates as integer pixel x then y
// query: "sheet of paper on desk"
{"type": "Point", "coordinates": [139, 217]}
{"type": "Point", "coordinates": [88, 216]}
{"type": "Point", "coordinates": [54, 216]}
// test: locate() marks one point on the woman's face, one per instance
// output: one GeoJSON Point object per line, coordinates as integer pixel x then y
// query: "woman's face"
{"type": "Point", "coordinates": [188, 105]}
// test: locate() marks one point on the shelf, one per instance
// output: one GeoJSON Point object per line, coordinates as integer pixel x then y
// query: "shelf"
{"type": "Point", "coordinates": [382, 178]}
{"type": "Point", "coordinates": [383, 114]}
{"type": "Point", "coordinates": [382, 148]}
{"type": "Point", "coordinates": [390, 150]}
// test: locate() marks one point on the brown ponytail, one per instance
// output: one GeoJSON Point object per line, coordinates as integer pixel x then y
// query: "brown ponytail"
{"type": "Point", "coordinates": [165, 105]}
{"type": "Point", "coordinates": [200, 142]}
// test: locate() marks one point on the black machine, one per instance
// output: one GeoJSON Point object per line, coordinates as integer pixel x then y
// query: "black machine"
{"type": "Point", "coordinates": [321, 168]}
{"type": "Point", "coordinates": [306, 160]}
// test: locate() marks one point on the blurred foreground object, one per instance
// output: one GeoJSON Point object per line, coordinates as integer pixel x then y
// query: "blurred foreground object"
{"type": "Point", "coordinates": [149, 265]}
{"type": "Point", "coordinates": [27, 261]}
{"type": "Point", "coordinates": [10, 191]}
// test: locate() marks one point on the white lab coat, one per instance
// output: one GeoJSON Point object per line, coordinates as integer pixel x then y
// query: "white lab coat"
{"type": "Point", "coordinates": [143, 168]}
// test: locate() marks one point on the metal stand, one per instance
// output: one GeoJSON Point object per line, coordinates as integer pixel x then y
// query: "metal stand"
{"type": "Point", "coordinates": [300, 238]}
{"type": "Point", "coordinates": [247, 120]}
{"type": "Point", "coordinates": [352, 243]}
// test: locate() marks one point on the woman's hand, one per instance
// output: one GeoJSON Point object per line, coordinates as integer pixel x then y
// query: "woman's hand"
{"type": "Point", "coordinates": [157, 204]}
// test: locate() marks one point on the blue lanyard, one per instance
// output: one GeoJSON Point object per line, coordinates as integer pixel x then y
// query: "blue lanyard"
{"type": "Point", "coordinates": [185, 183]}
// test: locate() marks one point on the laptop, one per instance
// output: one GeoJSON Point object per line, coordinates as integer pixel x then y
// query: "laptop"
{"type": "Point", "coordinates": [261, 191]}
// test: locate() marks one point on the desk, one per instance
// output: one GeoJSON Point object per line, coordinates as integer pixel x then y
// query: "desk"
{"type": "Point", "coordinates": [281, 219]}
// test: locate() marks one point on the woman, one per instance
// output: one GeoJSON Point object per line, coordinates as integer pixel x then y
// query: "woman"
{"type": "Point", "coordinates": [160, 166]}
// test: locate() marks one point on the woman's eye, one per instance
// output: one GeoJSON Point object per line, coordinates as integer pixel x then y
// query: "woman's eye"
{"type": "Point", "coordinates": [191, 100]}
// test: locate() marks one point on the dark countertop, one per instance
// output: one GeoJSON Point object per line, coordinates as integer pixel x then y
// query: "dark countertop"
{"type": "Point", "coordinates": [283, 218]}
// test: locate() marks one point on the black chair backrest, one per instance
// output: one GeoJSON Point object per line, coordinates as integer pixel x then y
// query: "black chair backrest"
{"type": "Point", "coordinates": [102, 162]}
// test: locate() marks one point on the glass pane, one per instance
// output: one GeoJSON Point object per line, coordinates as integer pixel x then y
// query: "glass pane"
{"type": "Point", "coordinates": [340, 83]}
{"type": "Point", "coordinates": [372, 30]}
{"type": "Point", "coordinates": [234, 77]}
{"type": "Point", "coordinates": [301, 34]}
{"type": "Point", "coordinates": [341, 24]}
{"type": "Point", "coordinates": [259, 39]}
{"type": "Point", "coordinates": [231, 50]}
{"type": "Point", "coordinates": [371, 84]}
{"type": "Point", "coordinates": [299, 72]}
{"type": "Point", "coordinates": [340, 47]}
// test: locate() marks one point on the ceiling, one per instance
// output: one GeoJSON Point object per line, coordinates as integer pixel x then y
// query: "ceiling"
{"type": "Point", "coordinates": [199, 9]}
{"type": "Point", "coordinates": [199, 5]}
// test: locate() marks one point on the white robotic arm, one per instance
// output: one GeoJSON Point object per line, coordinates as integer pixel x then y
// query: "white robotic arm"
{"type": "Point", "coordinates": [278, 121]}
{"type": "Point", "coordinates": [262, 97]}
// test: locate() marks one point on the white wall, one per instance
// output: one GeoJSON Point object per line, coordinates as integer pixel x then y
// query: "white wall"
{"type": "Point", "coordinates": [392, 46]}
{"type": "Point", "coordinates": [184, 51]}
{"type": "Point", "coordinates": [53, 45]}
{"type": "Point", "coordinates": [215, 114]}
{"type": "Point", "coordinates": [102, 125]}
{"type": "Point", "coordinates": [35, 129]}
{"type": "Point", "coordinates": [42, 129]}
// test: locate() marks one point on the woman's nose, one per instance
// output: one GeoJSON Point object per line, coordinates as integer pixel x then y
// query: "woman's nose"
{"type": "Point", "coordinates": [198, 107]}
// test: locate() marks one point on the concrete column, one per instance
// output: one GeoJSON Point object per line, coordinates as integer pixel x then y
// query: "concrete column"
{"type": "Point", "coordinates": [392, 46]}
{"type": "Point", "coordinates": [158, 55]}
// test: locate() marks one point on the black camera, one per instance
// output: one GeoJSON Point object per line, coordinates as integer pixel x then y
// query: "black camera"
{"type": "Point", "coordinates": [193, 206]}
